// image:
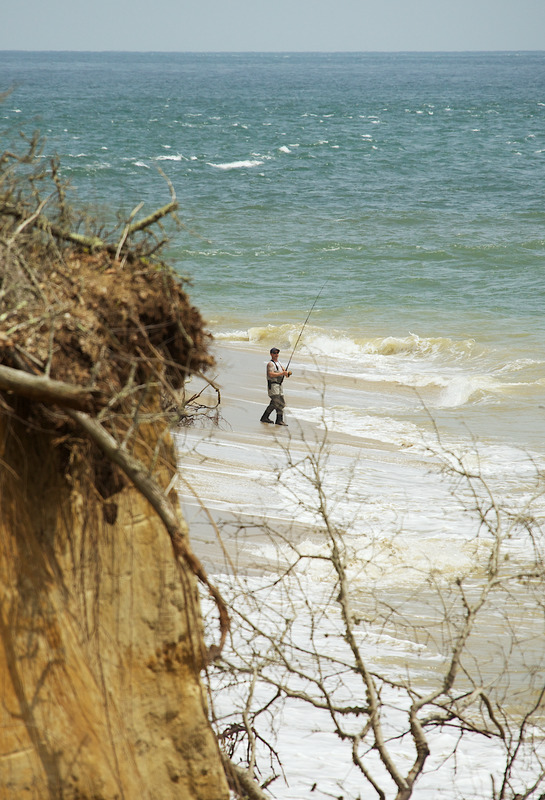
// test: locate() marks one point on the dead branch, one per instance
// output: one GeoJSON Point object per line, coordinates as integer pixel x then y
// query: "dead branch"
{"type": "Point", "coordinates": [151, 219]}
{"type": "Point", "coordinates": [127, 229]}
{"type": "Point", "coordinates": [242, 781]}
{"type": "Point", "coordinates": [45, 390]}
{"type": "Point", "coordinates": [93, 243]}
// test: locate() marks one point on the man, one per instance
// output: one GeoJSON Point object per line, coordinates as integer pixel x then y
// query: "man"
{"type": "Point", "coordinates": [275, 375]}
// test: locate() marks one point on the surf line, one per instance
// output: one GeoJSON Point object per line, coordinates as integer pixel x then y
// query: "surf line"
{"type": "Point", "coordinates": [305, 322]}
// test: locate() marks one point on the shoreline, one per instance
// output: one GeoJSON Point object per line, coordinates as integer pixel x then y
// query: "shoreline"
{"type": "Point", "coordinates": [384, 485]}
{"type": "Point", "coordinates": [232, 466]}
{"type": "Point", "coordinates": [408, 553]}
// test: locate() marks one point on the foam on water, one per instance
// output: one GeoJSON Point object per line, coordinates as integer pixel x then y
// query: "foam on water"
{"type": "Point", "coordinates": [348, 420]}
{"type": "Point", "coordinates": [306, 743]}
{"type": "Point", "coordinates": [453, 373]}
{"type": "Point", "coordinates": [378, 564]}
{"type": "Point", "coordinates": [247, 164]}
{"type": "Point", "coordinates": [315, 341]}
{"type": "Point", "coordinates": [336, 343]}
{"type": "Point", "coordinates": [178, 157]}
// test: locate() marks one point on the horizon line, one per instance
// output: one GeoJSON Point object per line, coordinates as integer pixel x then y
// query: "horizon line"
{"type": "Point", "coordinates": [268, 52]}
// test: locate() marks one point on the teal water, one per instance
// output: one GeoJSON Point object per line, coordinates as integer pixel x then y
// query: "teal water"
{"type": "Point", "coordinates": [409, 177]}
{"type": "Point", "coordinates": [411, 185]}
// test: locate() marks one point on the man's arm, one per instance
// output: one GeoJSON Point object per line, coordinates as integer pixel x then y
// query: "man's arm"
{"type": "Point", "coordinates": [272, 372]}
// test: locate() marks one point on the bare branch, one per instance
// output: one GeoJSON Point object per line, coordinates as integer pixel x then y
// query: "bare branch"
{"type": "Point", "coordinates": [45, 390]}
{"type": "Point", "coordinates": [242, 781]}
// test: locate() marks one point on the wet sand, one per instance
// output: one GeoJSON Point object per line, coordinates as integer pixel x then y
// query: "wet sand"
{"type": "Point", "coordinates": [424, 544]}
{"type": "Point", "coordinates": [232, 467]}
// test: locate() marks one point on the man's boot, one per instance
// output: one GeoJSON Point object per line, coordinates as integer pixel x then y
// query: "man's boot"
{"type": "Point", "coordinates": [266, 414]}
{"type": "Point", "coordinates": [280, 419]}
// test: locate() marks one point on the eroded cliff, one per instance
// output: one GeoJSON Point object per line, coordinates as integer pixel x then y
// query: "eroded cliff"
{"type": "Point", "coordinates": [101, 644]}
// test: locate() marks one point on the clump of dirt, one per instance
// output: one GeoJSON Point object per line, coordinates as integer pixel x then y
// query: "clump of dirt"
{"type": "Point", "coordinates": [125, 331]}
{"type": "Point", "coordinates": [106, 325]}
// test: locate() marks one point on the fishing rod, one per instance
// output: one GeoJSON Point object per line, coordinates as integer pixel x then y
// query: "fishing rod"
{"type": "Point", "coordinates": [305, 322]}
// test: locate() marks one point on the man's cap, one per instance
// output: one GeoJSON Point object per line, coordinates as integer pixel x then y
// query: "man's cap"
{"type": "Point", "coordinates": [274, 350]}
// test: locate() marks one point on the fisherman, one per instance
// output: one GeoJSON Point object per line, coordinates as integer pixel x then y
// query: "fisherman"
{"type": "Point", "coordinates": [275, 375]}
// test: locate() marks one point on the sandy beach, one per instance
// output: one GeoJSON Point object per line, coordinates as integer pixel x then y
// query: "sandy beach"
{"type": "Point", "coordinates": [232, 469]}
{"type": "Point", "coordinates": [384, 480]}
{"type": "Point", "coordinates": [408, 537]}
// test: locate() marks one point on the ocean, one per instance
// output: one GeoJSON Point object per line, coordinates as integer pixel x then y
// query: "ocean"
{"type": "Point", "coordinates": [400, 197]}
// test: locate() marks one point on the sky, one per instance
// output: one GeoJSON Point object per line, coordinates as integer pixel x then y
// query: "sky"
{"type": "Point", "coordinates": [280, 26]}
